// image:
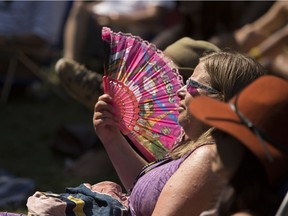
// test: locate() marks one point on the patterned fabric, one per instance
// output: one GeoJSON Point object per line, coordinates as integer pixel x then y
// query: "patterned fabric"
{"type": "Point", "coordinates": [79, 201]}
{"type": "Point", "coordinates": [10, 214]}
{"type": "Point", "coordinates": [143, 83]}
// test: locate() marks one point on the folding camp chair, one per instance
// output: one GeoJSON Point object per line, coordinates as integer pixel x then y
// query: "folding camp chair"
{"type": "Point", "coordinates": [283, 209]}
{"type": "Point", "coordinates": [19, 56]}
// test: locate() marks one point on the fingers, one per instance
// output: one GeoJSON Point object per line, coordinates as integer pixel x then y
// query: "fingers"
{"type": "Point", "coordinates": [104, 112]}
{"type": "Point", "coordinates": [104, 122]}
{"type": "Point", "coordinates": [105, 102]}
{"type": "Point", "coordinates": [106, 97]}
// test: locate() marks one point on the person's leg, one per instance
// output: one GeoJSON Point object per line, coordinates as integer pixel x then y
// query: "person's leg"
{"type": "Point", "coordinates": [83, 48]}
{"type": "Point", "coordinates": [255, 32]}
{"type": "Point", "coordinates": [76, 30]}
{"type": "Point", "coordinates": [273, 45]}
{"type": "Point", "coordinates": [280, 65]}
{"type": "Point", "coordinates": [82, 84]}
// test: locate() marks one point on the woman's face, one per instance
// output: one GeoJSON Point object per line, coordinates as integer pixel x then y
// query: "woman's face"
{"type": "Point", "coordinates": [192, 127]}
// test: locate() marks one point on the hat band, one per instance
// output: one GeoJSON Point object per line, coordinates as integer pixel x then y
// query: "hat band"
{"type": "Point", "coordinates": [261, 137]}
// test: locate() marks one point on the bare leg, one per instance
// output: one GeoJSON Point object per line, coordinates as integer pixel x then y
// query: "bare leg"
{"type": "Point", "coordinates": [76, 30]}
{"type": "Point", "coordinates": [280, 65]}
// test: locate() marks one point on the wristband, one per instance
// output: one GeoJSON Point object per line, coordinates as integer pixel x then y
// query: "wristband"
{"type": "Point", "coordinates": [255, 52]}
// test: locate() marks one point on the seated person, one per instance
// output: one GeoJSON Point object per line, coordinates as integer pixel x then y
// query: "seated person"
{"type": "Point", "coordinates": [82, 32]}
{"type": "Point", "coordinates": [153, 187]}
{"type": "Point", "coordinates": [28, 25]}
{"type": "Point", "coordinates": [159, 183]}
{"type": "Point", "coordinates": [251, 139]}
{"type": "Point", "coordinates": [264, 39]}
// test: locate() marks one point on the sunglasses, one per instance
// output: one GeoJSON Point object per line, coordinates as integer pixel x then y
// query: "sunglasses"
{"type": "Point", "coordinates": [193, 85]}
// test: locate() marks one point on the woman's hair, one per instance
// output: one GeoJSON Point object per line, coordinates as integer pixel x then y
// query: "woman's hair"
{"type": "Point", "coordinates": [188, 145]}
{"type": "Point", "coordinates": [229, 73]}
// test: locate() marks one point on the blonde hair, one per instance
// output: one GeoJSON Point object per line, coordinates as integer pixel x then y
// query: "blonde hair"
{"type": "Point", "coordinates": [189, 145]}
{"type": "Point", "coordinates": [229, 73]}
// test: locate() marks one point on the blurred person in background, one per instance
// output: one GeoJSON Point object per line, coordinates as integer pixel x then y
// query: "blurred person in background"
{"type": "Point", "coordinates": [82, 34]}
{"type": "Point", "coordinates": [201, 20]}
{"type": "Point", "coordinates": [31, 25]}
{"type": "Point", "coordinates": [265, 39]}
{"type": "Point", "coordinates": [251, 139]}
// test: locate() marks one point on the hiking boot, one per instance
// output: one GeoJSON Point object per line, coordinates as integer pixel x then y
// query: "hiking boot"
{"type": "Point", "coordinates": [82, 84]}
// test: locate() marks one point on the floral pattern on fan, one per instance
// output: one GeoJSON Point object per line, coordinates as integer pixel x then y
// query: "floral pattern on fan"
{"type": "Point", "coordinates": [143, 82]}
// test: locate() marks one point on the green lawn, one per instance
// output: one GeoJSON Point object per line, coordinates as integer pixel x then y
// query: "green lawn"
{"type": "Point", "coordinates": [28, 127]}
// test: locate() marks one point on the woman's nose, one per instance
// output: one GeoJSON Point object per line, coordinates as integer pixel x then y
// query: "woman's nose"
{"type": "Point", "coordinates": [181, 92]}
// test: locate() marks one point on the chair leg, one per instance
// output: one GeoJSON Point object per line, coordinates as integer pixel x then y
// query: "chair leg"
{"type": "Point", "coordinates": [34, 68]}
{"type": "Point", "coordinates": [283, 209]}
{"type": "Point", "coordinates": [8, 80]}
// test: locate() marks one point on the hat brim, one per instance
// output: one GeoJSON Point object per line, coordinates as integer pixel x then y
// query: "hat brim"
{"type": "Point", "coordinates": [219, 115]}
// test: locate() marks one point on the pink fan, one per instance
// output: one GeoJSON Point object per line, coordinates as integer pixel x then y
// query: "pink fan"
{"type": "Point", "coordinates": [143, 84]}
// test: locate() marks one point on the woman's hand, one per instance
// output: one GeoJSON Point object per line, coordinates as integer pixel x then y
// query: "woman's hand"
{"type": "Point", "coordinates": [125, 160]}
{"type": "Point", "coordinates": [105, 121]}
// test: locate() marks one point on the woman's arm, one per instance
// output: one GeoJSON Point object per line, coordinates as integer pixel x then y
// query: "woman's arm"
{"type": "Point", "coordinates": [273, 45]}
{"type": "Point", "coordinates": [193, 188]}
{"type": "Point", "coordinates": [125, 160]}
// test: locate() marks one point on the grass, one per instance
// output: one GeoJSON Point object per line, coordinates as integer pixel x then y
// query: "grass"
{"type": "Point", "coordinates": [28, 125]}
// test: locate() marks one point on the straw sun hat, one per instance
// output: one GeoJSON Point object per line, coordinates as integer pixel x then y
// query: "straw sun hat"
{"type": "Point", "coordinates": [257, 117]}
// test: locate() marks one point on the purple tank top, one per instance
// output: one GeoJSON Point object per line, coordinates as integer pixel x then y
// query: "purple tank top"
{"type": "Point", "coordinates": [148, 187]}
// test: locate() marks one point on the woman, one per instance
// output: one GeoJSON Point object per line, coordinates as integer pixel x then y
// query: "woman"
{"type": "Point", "coordinates": [251, 137]}
{"type": "Point", "coordinates": [219, 75]}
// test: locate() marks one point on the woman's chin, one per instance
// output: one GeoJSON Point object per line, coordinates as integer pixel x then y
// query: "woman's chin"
{"type": "Point", "coordinates": [181, 119]}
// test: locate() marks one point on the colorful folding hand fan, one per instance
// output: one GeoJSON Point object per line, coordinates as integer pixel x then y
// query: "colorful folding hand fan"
{"type": "Point", "coordinates": [143, 83]}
